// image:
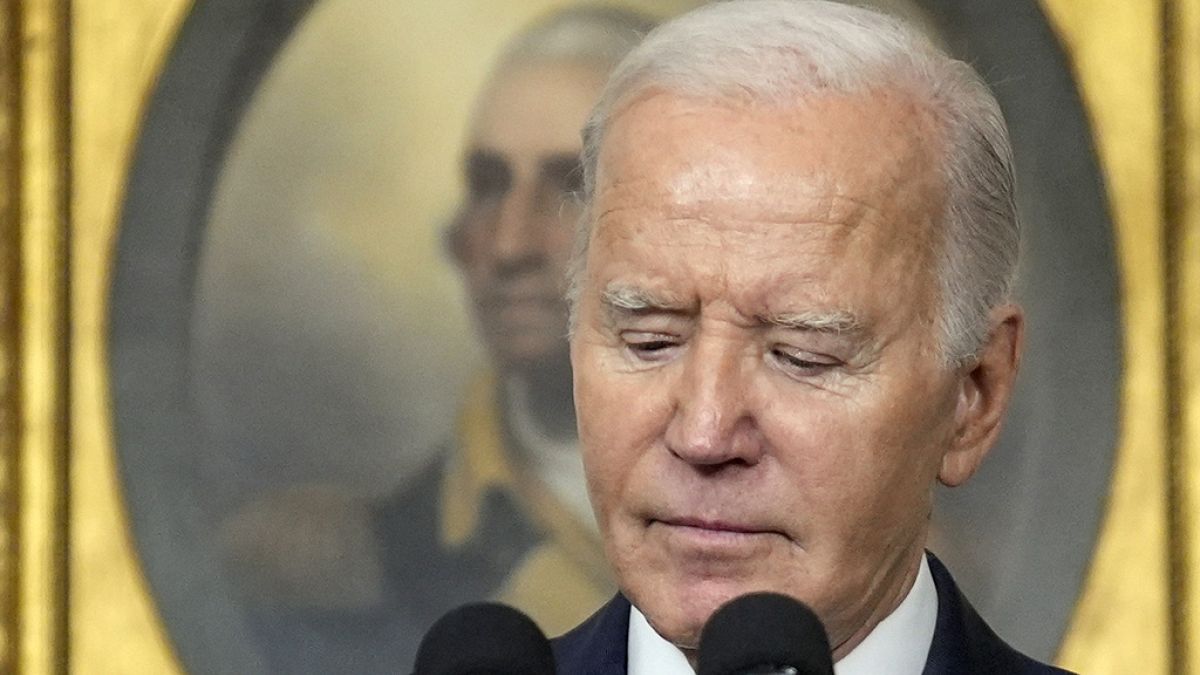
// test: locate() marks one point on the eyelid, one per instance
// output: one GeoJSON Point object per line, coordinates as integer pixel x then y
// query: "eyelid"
{"type": "Point", "coordinates": [630, 336]}
{"type": "Point", "coordinates": [805, 354]}
{"type": "Point", "coordinates": [649, 345]}
{"type": "Point", "coordinates": [801, 362]}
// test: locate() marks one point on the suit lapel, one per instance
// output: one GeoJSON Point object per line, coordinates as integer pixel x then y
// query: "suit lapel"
{"type": "Point", "coordinates": [963, 642]}
{"type": "Point", "coordinates": [599, 645]}
{"type": "Point", "coordinates": [948, 652]}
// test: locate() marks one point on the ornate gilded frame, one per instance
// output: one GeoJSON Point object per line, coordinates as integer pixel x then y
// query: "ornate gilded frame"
{"type": "Point", "coordinates": [35, 173]}
{"type": "Point", "coordinates": [74, 79]}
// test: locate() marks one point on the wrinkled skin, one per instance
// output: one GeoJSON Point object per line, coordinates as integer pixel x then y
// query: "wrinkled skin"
{"type": "Point", "coordinates": [761, 396]}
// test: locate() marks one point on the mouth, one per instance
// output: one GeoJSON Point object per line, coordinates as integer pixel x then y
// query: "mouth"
{"type": "Point", "coordinates": [707, 534]}
{"type": "Point", "coordinates": [714, 526]}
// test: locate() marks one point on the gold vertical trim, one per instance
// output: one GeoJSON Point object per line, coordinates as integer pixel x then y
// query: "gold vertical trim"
{"type": "Point", "coordinates": [1181, 493]}
{"type": "Point", "coordinates": [1121, 622]}
{"type": "Point", "coordinates": [44, 190]}
{"type": "Point", "coordinates": [1181, 166]}
{"type": "Point", "coordinates": [10, 348]}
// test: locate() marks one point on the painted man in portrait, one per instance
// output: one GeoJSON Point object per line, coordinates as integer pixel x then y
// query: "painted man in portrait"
{"type": "Point", "coordinates": [503, 512]}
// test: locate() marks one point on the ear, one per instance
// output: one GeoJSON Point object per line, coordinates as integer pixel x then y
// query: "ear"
{"type": "Point", "coordinates": [985, 387]}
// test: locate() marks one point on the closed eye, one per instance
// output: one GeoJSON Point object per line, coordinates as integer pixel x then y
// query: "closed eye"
{"type": "Point", "coordinates": [650, 347]}
{"type": "Point", "coordinates": [800, 362]}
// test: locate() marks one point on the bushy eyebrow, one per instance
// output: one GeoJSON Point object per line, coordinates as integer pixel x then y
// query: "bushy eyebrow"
{"type": "Point", "coordinates": [835, 321]}
{"type": "Point", "coordinates": [627, 299]}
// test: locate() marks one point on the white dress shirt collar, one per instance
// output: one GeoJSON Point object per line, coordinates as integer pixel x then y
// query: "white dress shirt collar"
{"type": "Point", "coordinates": [899, 645]}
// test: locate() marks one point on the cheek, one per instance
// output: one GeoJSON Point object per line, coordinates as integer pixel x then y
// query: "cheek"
{"type": "Point", "coordinates": [855, 461]}
{"type": "Point", "coordinates": [596, 401]}
{"type": "Point", "coordinates": [620, 417]}
{"type": "Point", "coordinates": [816, 435]}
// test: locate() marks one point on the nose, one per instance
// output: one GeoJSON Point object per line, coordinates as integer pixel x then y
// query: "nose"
{"type": "Point", "coordinates": [517, 237]}
{"type": "Point", "coordinates": [713, 423]}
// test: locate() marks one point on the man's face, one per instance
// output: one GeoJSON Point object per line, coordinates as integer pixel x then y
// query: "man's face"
{"type": "Point", "coordinates": [514, 235]}
{"type": "Point", "coordinates": [761, 401]}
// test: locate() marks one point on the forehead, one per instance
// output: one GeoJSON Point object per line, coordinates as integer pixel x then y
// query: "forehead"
{"type": "Point", "coordinates": [842, 189]}
{"type": "Point", "coordinates": [536, 106]}
{"type": "Point", "coordinates": [878, 150]}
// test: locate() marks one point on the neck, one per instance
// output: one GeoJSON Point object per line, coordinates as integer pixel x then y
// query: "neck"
{"type": "Point", "coordinates": [907, 565]}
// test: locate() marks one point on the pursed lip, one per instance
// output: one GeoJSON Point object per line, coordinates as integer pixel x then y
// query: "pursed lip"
{"type": "Point", "coordinates": [705, 541]}
{"type": "Point", "coordinates": [716, 527]}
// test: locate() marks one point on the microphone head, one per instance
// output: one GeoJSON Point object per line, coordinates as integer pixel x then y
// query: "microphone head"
{"type": "Point", "coordinates": [484, 639]}
{"type": "Point", "coordinates": [764, 633]}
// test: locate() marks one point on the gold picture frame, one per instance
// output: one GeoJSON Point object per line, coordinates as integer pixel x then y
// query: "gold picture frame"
{"type": "Point", "coordinates": [75, 78]}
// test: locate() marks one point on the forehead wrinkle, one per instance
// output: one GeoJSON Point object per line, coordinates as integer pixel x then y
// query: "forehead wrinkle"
{"type": "Point", "coordinates": [798, 207]}
{"type": "Point", "coordinates": [723, 276]}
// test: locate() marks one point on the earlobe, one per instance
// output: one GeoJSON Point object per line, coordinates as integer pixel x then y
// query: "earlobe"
{"type": "Point", "coordinates": [985, 388]}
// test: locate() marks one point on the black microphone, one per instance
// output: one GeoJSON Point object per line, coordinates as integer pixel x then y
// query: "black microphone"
{"type": "Point", "coordinates": [484, 639]}
{"type": "Point", "coordinates": [764, 634]}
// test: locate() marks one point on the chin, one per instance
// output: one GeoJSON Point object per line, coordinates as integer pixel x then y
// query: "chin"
{"type": "Point", "coordinates": [678, 608]}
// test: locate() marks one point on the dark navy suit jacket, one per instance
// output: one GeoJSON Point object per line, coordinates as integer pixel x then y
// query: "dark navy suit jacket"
{"type": "Point", "coordinates": [962, 643]}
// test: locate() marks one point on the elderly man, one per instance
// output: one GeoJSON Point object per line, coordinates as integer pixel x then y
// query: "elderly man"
{"type": "Point", "coordinates": [791, 317]}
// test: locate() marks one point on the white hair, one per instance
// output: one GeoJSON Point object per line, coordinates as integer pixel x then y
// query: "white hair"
{"type": "Point", "coordinates": [776, 52]}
